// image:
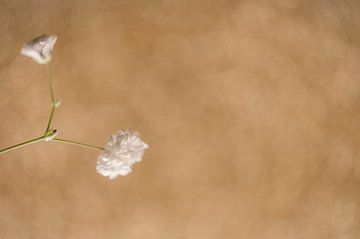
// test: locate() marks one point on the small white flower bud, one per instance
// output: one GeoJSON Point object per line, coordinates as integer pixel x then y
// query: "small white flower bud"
{"type": "Point", "coordinates": [40, 49]}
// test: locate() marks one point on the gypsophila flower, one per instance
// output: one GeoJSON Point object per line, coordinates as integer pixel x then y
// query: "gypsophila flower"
{"type": "Point", "coordinates": [122, 150]}
{"type": "Point", "coordinates": [40, 49]}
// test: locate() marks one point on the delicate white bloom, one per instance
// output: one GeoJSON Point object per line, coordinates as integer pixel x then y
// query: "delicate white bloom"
{"type": "Point", "coordinates": [122, 150]}
{"type": "Point", "coordinates": [40, 49]}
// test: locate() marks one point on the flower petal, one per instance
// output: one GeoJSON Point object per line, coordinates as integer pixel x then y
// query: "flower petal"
{"type": "Point", "coordinates": [40, 48]}
{"type": "Point", "coordinates": [122, 150]}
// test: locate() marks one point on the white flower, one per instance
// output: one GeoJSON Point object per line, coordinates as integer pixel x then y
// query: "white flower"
{"type": "Point", "coordinates": [40, 49]}
{"type": "Point", "coordinates": [122, 150]}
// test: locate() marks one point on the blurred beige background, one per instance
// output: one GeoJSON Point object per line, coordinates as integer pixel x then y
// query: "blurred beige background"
{"type": "Point", "coordinates": [251, 110]}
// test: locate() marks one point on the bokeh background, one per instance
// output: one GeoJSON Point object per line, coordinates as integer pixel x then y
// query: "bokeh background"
{"type": "Point", "coordinates": [250, 108]}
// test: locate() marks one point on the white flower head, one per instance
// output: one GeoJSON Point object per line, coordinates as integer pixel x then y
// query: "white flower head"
{"type": "Point", "coordinates": [40, 49]}
{"type": "Point", "coordinates": [122, 150]}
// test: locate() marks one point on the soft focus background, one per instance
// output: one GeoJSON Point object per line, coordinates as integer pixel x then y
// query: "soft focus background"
{"type": "Point", "coordinates": [251, 110]}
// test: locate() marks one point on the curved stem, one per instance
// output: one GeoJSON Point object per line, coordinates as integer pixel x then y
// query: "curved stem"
{"type": "Point", "coordinates": [17, 146]}
{"type": "Point", "coordinates": [78, 143]}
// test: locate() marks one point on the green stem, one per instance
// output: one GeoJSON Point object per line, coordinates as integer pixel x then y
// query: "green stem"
{"type": "Point", "coordinates": [17, 146]}
{"type": "Point", "coordinates": [53, 103]}
{"type": "Point", "coordinates": [50, 118]}
{"type": "Point", "coordinates": [78, 143]}
{"type": "Point", "coordinates": [49, 70]}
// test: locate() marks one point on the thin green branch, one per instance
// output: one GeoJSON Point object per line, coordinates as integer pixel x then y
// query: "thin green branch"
{"type": "Point", "coordinates": [49, 71]}
{"type": "Point", "coordinates": [50, 118]}
{"type": "Point", "coordinates": [54, 104]}
{"type": "Point", "coordinates": [78, 143]}
{"type": "Point", "coordinates": [20, 145]}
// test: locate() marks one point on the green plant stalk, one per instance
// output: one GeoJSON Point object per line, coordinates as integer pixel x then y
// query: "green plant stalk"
{"type": "Point", "coordinates": [78, 143]}
{"type": "Point", "coordinates": [49, 72]}
{"type": "Point", "coordinates": [20, 145]}
{"type": "Point", "coordinates": [50, 119]}
{"type": "Point", "coordinates": [48, 133]}
{"type": "Point", "coordinates": [52, 97]}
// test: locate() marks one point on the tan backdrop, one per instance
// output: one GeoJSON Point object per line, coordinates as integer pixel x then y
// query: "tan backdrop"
{"type": "Point", "coordinates": [250, 108]}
